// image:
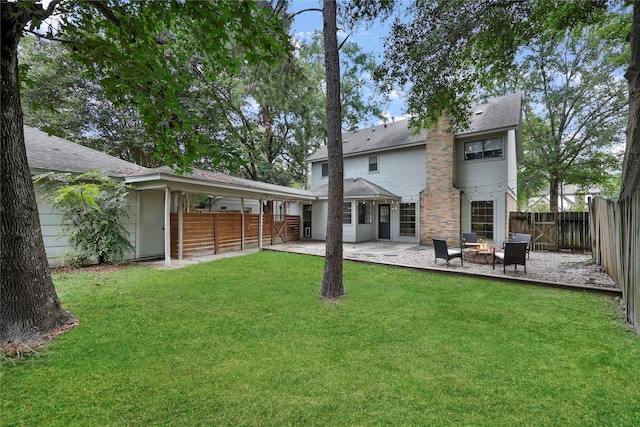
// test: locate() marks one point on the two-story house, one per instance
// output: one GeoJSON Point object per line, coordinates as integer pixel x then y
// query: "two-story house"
{"type": "Point", "coordinates": [406, 187]}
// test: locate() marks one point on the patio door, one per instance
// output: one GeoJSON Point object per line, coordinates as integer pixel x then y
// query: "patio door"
{"type": "Point", "coordinates": [384, 222]}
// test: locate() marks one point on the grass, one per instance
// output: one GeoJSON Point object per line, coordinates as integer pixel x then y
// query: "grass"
{"type": "Point", "coordinates": [247, 341]}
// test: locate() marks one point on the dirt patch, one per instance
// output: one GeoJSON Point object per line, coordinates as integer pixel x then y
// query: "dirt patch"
{"type": "Point", "coordinates": [96, 268]}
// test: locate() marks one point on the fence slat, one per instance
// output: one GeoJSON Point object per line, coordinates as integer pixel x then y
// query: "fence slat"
{"type": "Point", "coordinates": [208, 233]}
{"type": "Point", "coordinates": [616, 240]}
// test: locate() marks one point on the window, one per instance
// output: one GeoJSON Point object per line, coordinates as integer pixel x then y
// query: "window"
{"type": "Point", "coordinates": [484, 149]}
{"type": "Point", "coordinates": [325, 170]}
{"type": "Point", "coordinates": [365, 213]}
{"type": "Point", "coordinates": [482, 219]}
{"type": "Point", "coordinates": [346, 213]}
{"type": "Point", "coordinates": [373, 163]}
{"type": "Point", "coordinates": [408, 219]}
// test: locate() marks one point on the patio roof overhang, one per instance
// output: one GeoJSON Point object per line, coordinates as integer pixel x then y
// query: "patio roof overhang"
{"type": "Point", "coordinates": [218, 185]}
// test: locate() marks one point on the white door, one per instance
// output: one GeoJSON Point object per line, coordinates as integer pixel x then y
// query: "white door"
{"type": "Point", "coordinates": [151, 224]}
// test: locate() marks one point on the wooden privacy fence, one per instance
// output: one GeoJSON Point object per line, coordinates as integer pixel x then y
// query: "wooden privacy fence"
{"type": "Point", "coordinates": [615, 228]}
{"type": "Point", "coordinates": [210, 233]}
{"type": "Point", "coordinates": [553, 231]}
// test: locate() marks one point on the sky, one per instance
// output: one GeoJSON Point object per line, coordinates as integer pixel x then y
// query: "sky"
{"type": "Point", "coordinates": [369, 39]}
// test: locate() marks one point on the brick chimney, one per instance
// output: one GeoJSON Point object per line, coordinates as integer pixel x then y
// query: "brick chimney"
{"type": "Point", "coordinates": [440, 201]}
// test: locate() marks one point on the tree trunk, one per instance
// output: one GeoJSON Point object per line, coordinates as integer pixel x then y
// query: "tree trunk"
{"type": "Point", "coordinates": [553, 194]}
{"type": "Point", "coordinates": [332, 286]}
{"type": "Point", "coordinates": [631, 164]}
{"type": "Point", "coordinates": [29, 306]}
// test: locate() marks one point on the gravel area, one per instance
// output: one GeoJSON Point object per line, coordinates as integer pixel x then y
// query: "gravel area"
{"type": "Point", "coordinates": [551, 267]}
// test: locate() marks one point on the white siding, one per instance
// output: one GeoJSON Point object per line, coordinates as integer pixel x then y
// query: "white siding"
{"type": "Point", "coordinates": [512, 164]}
{"type": "Point", "coordinates": [402, 172]}
{"type": "Point", "coordinates": [319, 220]}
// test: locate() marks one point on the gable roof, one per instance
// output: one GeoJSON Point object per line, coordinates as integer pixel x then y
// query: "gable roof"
{"type": "Point", "coordinates": [493, 115]}
{"type": "Point", "coordinates": [57, 154]}
{"type": "Point", "coordinates": [358, 188]}
{"type": "Point", "coordinates": [50, 153]}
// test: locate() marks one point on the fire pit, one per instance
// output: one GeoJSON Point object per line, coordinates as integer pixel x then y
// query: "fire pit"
{"type": "Point", "coordinates": [481, 254]}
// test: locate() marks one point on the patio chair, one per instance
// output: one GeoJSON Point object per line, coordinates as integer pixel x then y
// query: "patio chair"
{"type": "Point", "coordinates": [469, 238]}
{"type": "Point", "coordinates": [514, 254]}
{"type": "Point", "coordinates": [519, 237]}
{"type": "Point", "coordinates": [443, 252]}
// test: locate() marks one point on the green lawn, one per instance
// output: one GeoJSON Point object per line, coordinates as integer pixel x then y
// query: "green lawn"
{"type": "Point", "coordinates": [247, 341]}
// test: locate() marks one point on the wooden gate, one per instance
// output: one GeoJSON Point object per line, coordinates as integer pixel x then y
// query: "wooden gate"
{"type": "Point", "coordinates": [553, 231]}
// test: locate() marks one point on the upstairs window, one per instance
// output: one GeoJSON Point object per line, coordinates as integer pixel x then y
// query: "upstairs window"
{"type": "Point", "coordinates": [373, 163]}
{"type": "Point", "coordinates": [325, 170]}
{"type": "Point", "coordinates": [484, 149]}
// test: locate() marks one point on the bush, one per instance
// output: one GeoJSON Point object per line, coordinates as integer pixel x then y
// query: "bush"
{"type": "Point", "coordinates": [91, 206]}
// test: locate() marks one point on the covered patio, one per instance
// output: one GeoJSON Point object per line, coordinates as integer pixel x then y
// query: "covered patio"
{"type": "Point", "coordinates": [170, 228]}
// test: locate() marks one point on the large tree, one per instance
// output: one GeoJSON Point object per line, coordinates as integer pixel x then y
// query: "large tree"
{"type": "Point", "coordinates": [631, 165]}
{"type": "Point", "coordinates": [574, 112]}
{"type": "Point", "coordinates": [126, 47]}
{"type": "Point", "coordinates": [450, 49]}
{"type": "Point", "coordinates": [332, 285]}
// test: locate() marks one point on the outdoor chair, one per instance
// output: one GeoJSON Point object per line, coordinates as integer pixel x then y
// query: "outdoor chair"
{"type": "Point", "coordinates": [469, 238]}
{"type": "Point", "coordinates": [514, 253]}
{"type": "Point", "coordinates": [519, 237]}
{"type": "Point", "coordinates": [443, 252]}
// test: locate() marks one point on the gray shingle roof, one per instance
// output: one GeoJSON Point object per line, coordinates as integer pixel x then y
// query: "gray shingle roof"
{"type": "Point", "coordinates": [51, 153]}
{"type": "Point", "coordinates": [494, 114]}
{"type": "Point", "coordinates": [57, 154]}
{"type": "Point", "coordinates": [357, 188]}
{"type": "Point", "coordinates": [224, 179]}
{"type": "Point", "coordinates": [497, 113]}
{"type": "Point", "coordinates": [376, 138]}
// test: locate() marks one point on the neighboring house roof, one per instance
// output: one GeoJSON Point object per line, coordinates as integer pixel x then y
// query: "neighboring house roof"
{"type": "Point", "coordinates": [358, 188]}
{"type": "Point", "coordinates": [56, 154]}
{"type": "Point", "coordinates": [50, 153]}
{"type": "Point", "coordinates": [493, 115]}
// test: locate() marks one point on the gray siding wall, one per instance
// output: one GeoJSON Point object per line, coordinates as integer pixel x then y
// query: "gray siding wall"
{"type": "Point", "coordinates": [486, 179]}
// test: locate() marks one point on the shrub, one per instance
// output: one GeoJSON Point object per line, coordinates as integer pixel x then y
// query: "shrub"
{"type": "Point", "coordinates": [91, 206]}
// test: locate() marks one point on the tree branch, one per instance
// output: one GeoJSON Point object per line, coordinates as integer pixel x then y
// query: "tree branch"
{"type": "Point", "coordinates": [304, 10]}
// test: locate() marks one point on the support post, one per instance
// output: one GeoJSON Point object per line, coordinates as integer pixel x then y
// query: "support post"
{"type": "Point", "coordinates": [260, 220]}
{"type": "Point", "coordinates": [167, 227]}
{"type": "Point", "coordinates": [180, 224]}
{"type": "Point", "coordinates": [242, 223]}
